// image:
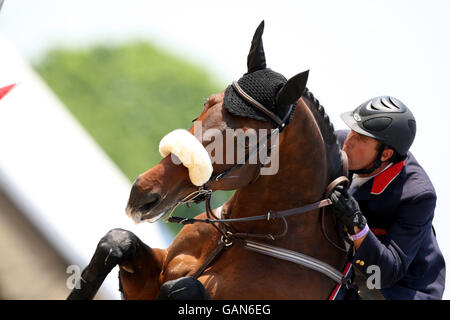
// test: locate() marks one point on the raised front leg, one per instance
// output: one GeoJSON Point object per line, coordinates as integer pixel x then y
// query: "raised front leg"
{"type": "Point", "coordinates": [140, 267]}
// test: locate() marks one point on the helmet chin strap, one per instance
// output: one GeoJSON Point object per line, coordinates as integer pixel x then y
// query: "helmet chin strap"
{"type": "Point", "coordinates": [375, 165]}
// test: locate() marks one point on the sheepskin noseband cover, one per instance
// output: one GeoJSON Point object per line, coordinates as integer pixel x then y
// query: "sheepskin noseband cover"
{"type": "Point", "coordinates": [191, 153]}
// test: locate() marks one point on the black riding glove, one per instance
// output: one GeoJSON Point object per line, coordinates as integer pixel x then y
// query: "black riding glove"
{"type": "Point", "coordinates": [347, 210]}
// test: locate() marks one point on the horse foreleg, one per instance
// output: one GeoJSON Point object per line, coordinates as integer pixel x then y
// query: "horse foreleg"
{"type": "Point", "coordinates": [140, 273]}
{"type": "Point", "coordinates": [139, 264]}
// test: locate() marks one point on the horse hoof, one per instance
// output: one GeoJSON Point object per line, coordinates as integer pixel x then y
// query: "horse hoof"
{"type": "Point", "coordinates": [186, 288]}
{"type": "Point", "coordinates": [117, 246]}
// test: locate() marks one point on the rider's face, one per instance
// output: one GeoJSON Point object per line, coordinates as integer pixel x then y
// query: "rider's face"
{"type": "Point", "coordinates": [361, 150]}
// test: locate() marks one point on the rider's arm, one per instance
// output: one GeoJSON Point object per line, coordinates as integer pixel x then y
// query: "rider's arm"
{"type": "Point", "coordinates": [394, 254]}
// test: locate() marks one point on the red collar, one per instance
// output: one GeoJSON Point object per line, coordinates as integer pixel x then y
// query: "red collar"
{"type": "Point", "coordinates": [382, 180]}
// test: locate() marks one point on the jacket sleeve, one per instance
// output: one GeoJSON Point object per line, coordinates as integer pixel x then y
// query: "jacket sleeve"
{"type": "Point", "coordinates": [394, 254]}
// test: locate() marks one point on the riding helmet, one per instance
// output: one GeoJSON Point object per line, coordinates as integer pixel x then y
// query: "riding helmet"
{"type": "Point", "coordinates": [385, 119]}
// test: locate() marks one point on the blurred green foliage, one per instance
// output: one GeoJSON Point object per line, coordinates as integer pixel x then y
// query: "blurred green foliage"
{"type": "Point", "coordinates": [128, 97]}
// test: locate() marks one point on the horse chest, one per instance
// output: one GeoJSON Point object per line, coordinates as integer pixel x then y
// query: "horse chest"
{"type": "Point", "coordinates": [190, 248]}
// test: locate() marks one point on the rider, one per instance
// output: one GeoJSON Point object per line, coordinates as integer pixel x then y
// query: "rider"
{"type": "Point", "coordinates": [389, 206]}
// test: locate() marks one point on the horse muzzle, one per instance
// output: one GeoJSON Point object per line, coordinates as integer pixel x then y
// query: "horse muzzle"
{"type": "Point", "coordinates": [142, 203]}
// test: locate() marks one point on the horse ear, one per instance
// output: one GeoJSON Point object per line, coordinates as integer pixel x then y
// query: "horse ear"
{"type": "Point", "coordinates": [256, 59]}
{"type": "Point", "coordinates": [292, 90]}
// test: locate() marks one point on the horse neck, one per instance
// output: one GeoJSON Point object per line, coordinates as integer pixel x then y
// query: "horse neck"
{"type": "Point", "coordinates": [300, 180]}
{"type": "Point", "coordinates": [334, 166]}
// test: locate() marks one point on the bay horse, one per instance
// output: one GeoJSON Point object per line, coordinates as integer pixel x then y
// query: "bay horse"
{"type": "Point", "coordinates": [309, 159]}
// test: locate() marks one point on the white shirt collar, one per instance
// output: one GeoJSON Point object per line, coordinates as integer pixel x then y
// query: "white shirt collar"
{"type": "Point", "coordinates": [358, 181]}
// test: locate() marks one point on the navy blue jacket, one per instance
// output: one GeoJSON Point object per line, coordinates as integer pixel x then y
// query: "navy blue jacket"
{"type": "Point", "coordinates": [399, 206]}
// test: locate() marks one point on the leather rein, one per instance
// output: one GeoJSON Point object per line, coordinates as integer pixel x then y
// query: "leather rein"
{"type": "Point", "coordinates": [230, 238]}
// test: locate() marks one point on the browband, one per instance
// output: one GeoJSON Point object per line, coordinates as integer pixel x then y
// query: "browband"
{"type": "Point", "coordinates": [281, 123]}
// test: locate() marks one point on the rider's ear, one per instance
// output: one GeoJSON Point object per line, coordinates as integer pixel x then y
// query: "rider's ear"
{"type": "Point", "coordinates": [256, 59]}
{"type": "Point", "coordinates": [292, 90]}
{"type": "Point", "coordinates": [387, 154]}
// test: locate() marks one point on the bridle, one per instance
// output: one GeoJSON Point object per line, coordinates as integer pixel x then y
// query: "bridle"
{"type": "Point", "coordinates": [204, 192]}
{"type": "Point", "coordinates": [280, 124]}
{"type": "Point", "coordinates": [229, 237]}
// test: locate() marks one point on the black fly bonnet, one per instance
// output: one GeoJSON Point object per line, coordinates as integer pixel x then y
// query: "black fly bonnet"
{"type": "Point", "coordinates": [264, 86]}
{"type": "Point", "coordinates": [260, 94]}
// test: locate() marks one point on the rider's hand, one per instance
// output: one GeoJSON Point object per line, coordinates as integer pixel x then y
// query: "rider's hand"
{"type": "Point", "coordinates": [347, 210]}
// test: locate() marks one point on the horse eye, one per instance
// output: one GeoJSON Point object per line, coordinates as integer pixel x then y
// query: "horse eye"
{"type": "Point", "coordinates": [195, 119]}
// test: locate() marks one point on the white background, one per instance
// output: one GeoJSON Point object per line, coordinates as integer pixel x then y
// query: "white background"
{"type": "Point", "coordinates": [355, 50]}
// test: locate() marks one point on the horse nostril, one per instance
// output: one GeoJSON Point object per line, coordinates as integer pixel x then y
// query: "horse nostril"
{"type": "Point", "coordinates": [151, 202]}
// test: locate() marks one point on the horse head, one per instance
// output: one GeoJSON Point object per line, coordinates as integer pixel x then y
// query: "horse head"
{"type": "Point", "coordinates": [195, 158]}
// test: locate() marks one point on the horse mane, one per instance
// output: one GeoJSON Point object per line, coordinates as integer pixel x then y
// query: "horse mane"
{"type": "Point", "coordinates": [334, 166]}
